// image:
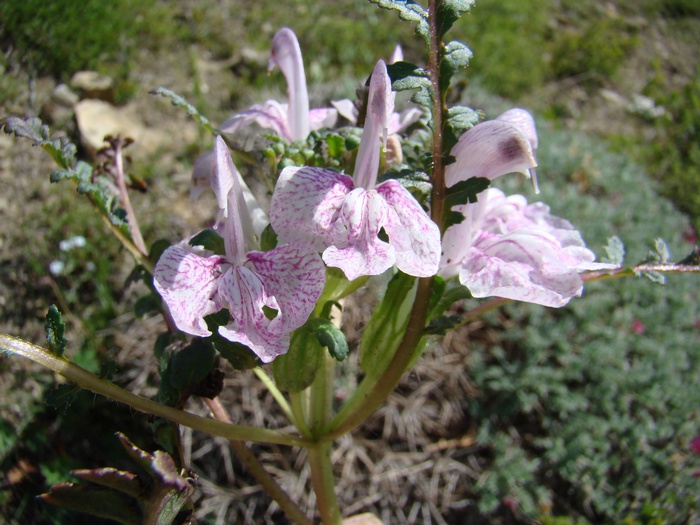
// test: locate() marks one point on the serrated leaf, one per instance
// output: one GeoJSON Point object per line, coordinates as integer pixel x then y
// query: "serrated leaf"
{"type": "Point", "coordinates": [614, 251]}
{"type": "Point", "coordinates": [330, 336]}
{"type": "Point", "coordinates": [459, 120]}
{"type": "Point", "coordinates": [55, 331]}
{"type": "Point", "coordinates": [455, 57]}
{"type": "Point", "coordinates": [62, 396]}
{"type": "Point", "coordinates": [655, 277]}
{"type": "Point", "coordinates": [178, 101]}
{"type": "Point", "coordinates": [296, 370]}
{"type": "Point", "coordinates": [406, 76]}
{"type": "Point", "coordinates": [209, 240]}
{"type": "Point", "coordinates": [442, 324]}
{"type": "Point", "coordinates": [409, 11]}
{"type": "Point", "coordinates": [662, 250]}
{"type": "Point", "coordinates": [449, 12]}
{"type": "Point", "coordinates": [386, 327]}
{"type": "Point", "coordinates": [61, 150]}
{"type": "Point", "coordinates": [464, 192]}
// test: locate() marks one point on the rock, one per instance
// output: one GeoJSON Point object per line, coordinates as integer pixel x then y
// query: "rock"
{"type": "Point", "coordinates": [63, 95]}
{"type": "Point", "coordinates": [97, 119]}
{"type": "Point", "coordinates": [93, 85]}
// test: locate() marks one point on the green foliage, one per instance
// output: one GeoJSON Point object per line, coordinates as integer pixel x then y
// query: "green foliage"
{"type": "Point", "coordinates": [382, 334]}
{"type": "Point", "coordinates": [675, 154]}
{"type": "Point", "coordinates": [409, 11]}
{"type": "Point", "coordinates": [62, 36]}
{"type": "Point", "coordinates": [509, 39]}
{"type": "Point", "coordinates": [55, 331]}
{"type": "Point", "coordinates": [593, 52]}
{"type": "Point", "coordinates": [178, 101]}
{"type": "Point", "coordinates": [296, 370]}
{"type": "Point", "coordinates": [602, 412]}
{"type": "Point", "coordinates": [330, 336]}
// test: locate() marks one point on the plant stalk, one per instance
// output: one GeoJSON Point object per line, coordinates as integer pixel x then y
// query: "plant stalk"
{"type": "Point", "coordinates": [89, 381]}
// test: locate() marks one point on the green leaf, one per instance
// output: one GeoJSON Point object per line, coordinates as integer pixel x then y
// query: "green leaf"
{"type": "Point", "coordinates": [386, 327]}
{"type": "Point", "coordinates": [662, 250]}
{"type": "Point", "coordinates": [614, 251]}
{"type": "Point", "coordinates": [61, 150]}
{"type": "Point", "coordinates": [190, 365]}
{"type": "Point", "coordinates": [108, 369]}
{"type": "Point", "coordinates": [209, 240]}
{"type": "Point", "coordinates": [296, 370]}
{"type": "Point", "coordinates": [97, 501]}
{"type": "Point", "coordinates": [330, 336]}
{"type": "Point", "coordinates": [409, 11]}
{"type": "Point", "coordinates": [62, 396]}
{"type": "Point", "coordinates": [178, 101]}
{"type": "Point", "coordinates": [465, 191]}
{"type": "Point", "coordinates": [55, 331]}
{"type": "Point", "coordinates": [449, 12]}
{"type": "Point", "coordinates": [456, 56]}
{"type": "Point", "coordinates": [406, 76]}
{"type": "Point", "coordinates": [459, 120]}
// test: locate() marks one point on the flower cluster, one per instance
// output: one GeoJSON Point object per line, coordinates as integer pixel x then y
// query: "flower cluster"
{"type": "Point", "coordinates": [504, 247]}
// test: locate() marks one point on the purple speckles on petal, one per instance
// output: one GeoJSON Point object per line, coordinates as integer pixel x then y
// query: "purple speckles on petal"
{"type": "Point", "coordinates": [414, 236]}
{"type": "Point", "coordinates": [188, 282]}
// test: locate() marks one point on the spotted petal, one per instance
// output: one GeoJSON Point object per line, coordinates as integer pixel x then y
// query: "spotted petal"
{"type": "Point", "coordinates": [358, 250]}
{"type": "Point", "coordinates": [490, 149]}
{"type": "Point", "coordinates": [284, 280]}
{"type": "Point", "coordinates": [305, 205]}
{"type": "Point", "coordinates": [414, 236]}
{"type": "Point", "coordinates": [187, 282]}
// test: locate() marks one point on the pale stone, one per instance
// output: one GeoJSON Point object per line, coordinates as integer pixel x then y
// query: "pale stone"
{"type": "Point", "coordinates": [366, 518]}
{"type": "Point", "coordinates": [96, 119]}
{"type": "Point", "coordinates": [93, 85]}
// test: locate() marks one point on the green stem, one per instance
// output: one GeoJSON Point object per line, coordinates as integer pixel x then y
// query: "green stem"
{"type": "Point", "coordinates": [253, 465]}
{"type": "Point", "coordinates": [91, 382]}
{"type": "Point", "coordinates": [373, 391]}
{"type": "Point", "coordinates": [323, 483]}
{"type": "Point", "coordinates": [298, 407]}
{"type": "Point", "coordinates": [279, 396]}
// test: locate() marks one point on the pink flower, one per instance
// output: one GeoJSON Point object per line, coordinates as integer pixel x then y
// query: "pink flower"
{"type": "Point", "coordinates": [343, 216]}
{"type": "Point", "coordinates": [269, 294]}
{"type": "Point", "coordinates": [506, 247]}
{"type": "Point", "coordinates": [291, 121]}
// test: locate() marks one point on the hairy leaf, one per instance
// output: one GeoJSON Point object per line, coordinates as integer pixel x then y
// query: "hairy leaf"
{"type": "Point", "coordinates": [178, 101]}
{"type": "Point", "coordinates": [449, 12]}
{"type": "Point", "coordinates": [614, 251]}
{"type": "Point", "coordinates": [465, 191]}
{"type": "Point", "coordinates": [55, 331]}
{"type": "Point", "coordinates": [409, 11]}
{"type": "Point", "coordinates": [331, 337]}
{"type": "Point", "coordinates": [456, 55]}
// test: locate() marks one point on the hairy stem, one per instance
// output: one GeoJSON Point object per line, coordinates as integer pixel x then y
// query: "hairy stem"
{"type": "Point", "coordinates": [251, 462]}
{"type": "Point", "coordinates": [89, 381]}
